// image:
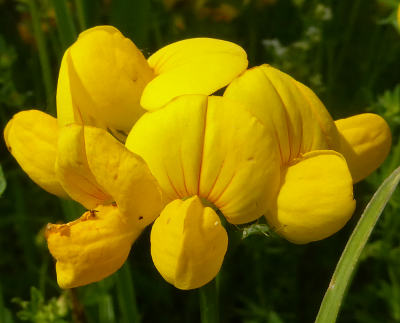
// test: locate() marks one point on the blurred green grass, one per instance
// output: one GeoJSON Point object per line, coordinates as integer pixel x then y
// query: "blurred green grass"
{"type": "Point", "coordinates": [346, 51]}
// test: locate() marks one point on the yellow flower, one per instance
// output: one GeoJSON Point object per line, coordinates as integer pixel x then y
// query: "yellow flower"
{"type": "Point", "coordinates": [267, 147]}
{"type": "Point", "coordinates": [208, 149]}
{"type": "Point", "coordinates": [104, 84]}
{"type": "Point", "coordinates": [106, 78]}
{"type": "Point", "coordinates": [97, 244]}
{"type": "Point", "coordinates": [320, 158]}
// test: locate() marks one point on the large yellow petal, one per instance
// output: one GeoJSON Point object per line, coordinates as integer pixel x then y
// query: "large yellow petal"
{"type": "Point", "coordinates": [92, 247]}
{"type": "Point", "coordinates": [213, 148]}
{"type": "Point", "coordinates": [188, 243]}
{"type": "Point", "coordinates": [102, 75]}
{"type": "Point", "coordinates": [192, 66]}
{"type": "Point", "coordinates": [73, 171]}
{"type": "Point", "coordinates": [170, 140]}
{"type": "Point", "coordinates": [125, 176]}
{"type": "Point", "coordinates": [299, 119]}
{"type": "Point", "coordinates": [316, 198]}
{"type": "Point", "coordinates": [240, 164]}
{"type": "Point", "coordinates": [365, 142]}
{"type": "Point", "coordinates": [31, 137]}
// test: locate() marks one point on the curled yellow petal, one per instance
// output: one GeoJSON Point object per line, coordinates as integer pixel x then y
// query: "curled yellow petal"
{"type": "Point", "coordinates": [125, 176]}
{"type": "Point", "coordinates": [212, 147]}
{"type": "Point", "coordinates": [90, 248]}
{"type": "Point", "coordinates": [298, 118]}
{"type": "Point", "coordinates": [73, 171]}
{"type": "Point", "coordinates": [188, 243]}
{"type": "Point", "coordinates": [316, 198]}
{"type": "Point", "coordinates": [365, 142]}
{"type": "Point", "coordinates": [102, 75]}
{"type": "Point", "coordinates": [192, 66]}
{"type": "Point", "coordinates": [31, 137]}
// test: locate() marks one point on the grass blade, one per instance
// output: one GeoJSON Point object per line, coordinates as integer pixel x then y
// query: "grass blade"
{"type": "Point", "coordinates": [345, 268]}
{"type": "Point", "coordinates": [65, 23]}
{"type": "Point", "coordinates": [132, 19]}
{"type": "Point", "coordinates": [81, 13]}
{"type": "Point", "coordinates": [3, 182]}
{"type": "Point", "coordinates": [43, 56]}
{"type": "Point", "coordinates": [209, 302]}
{"type": "Point", "coordinates": [126, 295]}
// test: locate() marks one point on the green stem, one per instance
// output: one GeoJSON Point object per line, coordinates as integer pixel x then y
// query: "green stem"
{"type": "Point", "coordinates": [209, 302]}
{"type": "Point", "coordinates": [43, 56]}
{"type": "Point", "coordinates": [65, 23]}
{"type": "Point", "coordinates": [126, 295]}
{"type": "Point", "coordinates": [81, 13]}
{"type": "Point", "coordinates": [347, 264]}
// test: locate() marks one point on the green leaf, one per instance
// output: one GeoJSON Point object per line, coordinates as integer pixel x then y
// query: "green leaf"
{"type": "Point", "coordinates": [347, 264]}
{"type": "Point", "coordinates": [256, 229]}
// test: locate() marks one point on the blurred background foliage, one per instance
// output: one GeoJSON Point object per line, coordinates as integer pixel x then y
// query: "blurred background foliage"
{"type": "Point", "coordinates": [348, 52]}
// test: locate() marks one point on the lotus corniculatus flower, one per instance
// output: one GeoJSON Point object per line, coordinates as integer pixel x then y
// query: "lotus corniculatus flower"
{"type": "Point", "coordinates": [103, 83]}
{"type": "Point", "coordinates": [319, 159]}
{"type": "Point", "coordinates": [267, 147]}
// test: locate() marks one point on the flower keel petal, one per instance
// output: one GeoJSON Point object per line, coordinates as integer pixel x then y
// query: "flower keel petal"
{"type": "Point", "coordinates": [188, 243]}
{"type": "Point", "coordinates": [316, 198]}
{"type": "Point", "coordinates": [365, 142]}
{"type": "Point", "coordinates": [90, 248]}
{"type": "Point", "coordinates": [31, 137]}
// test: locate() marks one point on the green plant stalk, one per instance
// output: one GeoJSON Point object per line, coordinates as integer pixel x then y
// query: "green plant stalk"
{"type": "Point", "coordinates": [347, 264]}
{"type": "Point", "coordinates": [126, 295]}
{"type": "Point", "coordinates": [209, 302]}
{"type": "Point", "coordinates": [43, 56]}
{"type": "Point", "coordinates": [65, 23]}
{"type": "Point", "coordinates": [81, 13]}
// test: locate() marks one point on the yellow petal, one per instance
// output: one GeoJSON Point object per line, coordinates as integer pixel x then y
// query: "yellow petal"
{"type": "Point", "coordinates": [365, 142]}
{"type": "Point", "coordinates": [188, 243]}
{"type": "Point", "coordinates": [316, 198]}
{"type": "Point", "coordinates": [73, 171]}
{"type": "Point", "coordinates": [299, 119]}
{"type": "Point", "coordinates": [170, 140]}
{"type": "Point", "coordinates": [240, 163]}
{"type": "Point", "coordinates": [90, 248]}
{"type": "Point", "coordinates": [102, 75]}
{"type": "Point", "coordinates": [192, 66]}
{"type": "Point", "coordinates": [125, 176]}
{"type": "Point", "coordinates": [213, 148]}
{"type": "Point", "coordinates": [31, 137]}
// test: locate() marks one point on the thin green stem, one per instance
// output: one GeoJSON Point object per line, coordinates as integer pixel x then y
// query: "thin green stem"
{"type": "Point", "coordinates": [81, 13]}
{"type": "Point", "coordinates": [347, 264]}
{"type": "Point", "coordinates": [43, 56]}
{"type": "Point", "coordinates": [65, 23]}
{"type": "Point", "coordinates": [126, 295]}
{"type": "Point", "coordinates": [209, 302]}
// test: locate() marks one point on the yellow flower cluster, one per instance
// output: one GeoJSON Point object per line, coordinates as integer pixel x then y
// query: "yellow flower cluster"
{"type": "Point", "coordinates": [138, 141]}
